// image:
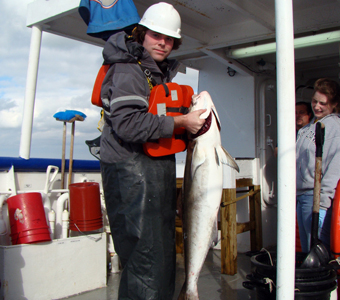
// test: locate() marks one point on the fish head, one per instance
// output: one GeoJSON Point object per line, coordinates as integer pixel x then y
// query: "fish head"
{"type": "Point", "coordinates": [204, 101]}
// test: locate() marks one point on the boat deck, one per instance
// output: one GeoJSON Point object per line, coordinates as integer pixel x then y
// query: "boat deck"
{"type": "Point", "coordinates": [212, 285]}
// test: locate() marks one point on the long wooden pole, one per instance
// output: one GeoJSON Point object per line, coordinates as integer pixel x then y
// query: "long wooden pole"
{"type": "Point", "coordinates": [71, 155]}
{"type": "Point", "coordinates": [63, 157]}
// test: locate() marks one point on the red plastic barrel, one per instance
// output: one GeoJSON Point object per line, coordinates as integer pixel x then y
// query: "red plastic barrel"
{"type": "Point", "coordinates": [85, 206]}
{"type": "Point", "coordinates": [27, 219]}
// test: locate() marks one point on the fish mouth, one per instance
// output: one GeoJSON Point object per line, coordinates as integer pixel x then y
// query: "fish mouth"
{"type": "Point", "coordinates": [204, 128]}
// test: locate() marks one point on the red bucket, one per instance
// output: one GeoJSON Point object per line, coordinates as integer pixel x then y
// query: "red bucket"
{"type": "Point", "coordinates": [88, 225]}
{"type": "Point", "coordinates": [79, 222]}
{"type": "Point", "coordinates": [27, 219]}
{"type": "Point", "coordinates": [85, 206]}
{"type": "Point", "coordinates": [32, 237]}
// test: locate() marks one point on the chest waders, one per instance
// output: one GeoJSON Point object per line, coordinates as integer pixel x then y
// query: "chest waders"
{"type": "Point", "coordinates": [140, 196]}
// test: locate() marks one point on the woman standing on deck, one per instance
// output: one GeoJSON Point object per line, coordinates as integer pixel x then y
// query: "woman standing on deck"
{"type": "Point", "coordinates": [325, 105]}
{"type": "Point", "coordinates": [140, 191]}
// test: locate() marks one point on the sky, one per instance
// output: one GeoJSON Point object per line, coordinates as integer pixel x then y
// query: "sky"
{"type": "Point", "coordinates": [66, 74]}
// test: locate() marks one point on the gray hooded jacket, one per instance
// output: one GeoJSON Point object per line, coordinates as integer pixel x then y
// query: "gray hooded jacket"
{"type": "Point", "coordinates": [305, 159]}
{"type": "Point", "coordinates": [125, 95]}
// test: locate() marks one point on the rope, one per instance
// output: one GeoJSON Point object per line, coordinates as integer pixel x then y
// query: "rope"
{"type": "Point", "coordinates": [270, 282]}
{"type": "Point", "coordinates": [89, 237]}
{"type": "Point", "coordinates": [6, 232]}
{"type": "Point", "coordinates": [267, 280]}
{"type": "Point", "coordinates": [270, 257]}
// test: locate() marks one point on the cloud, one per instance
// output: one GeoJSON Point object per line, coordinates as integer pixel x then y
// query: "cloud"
{"type": "Point", "coordinates": [10, 118]}
{"type": "Point", "coordinates": [66, 74]}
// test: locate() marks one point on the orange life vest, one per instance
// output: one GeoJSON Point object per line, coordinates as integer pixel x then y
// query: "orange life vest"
{"type": "Point", "coordinates": [335, 223]}
{"type": "Point", "coordinates": [335, 229]}
{"type": "Point", "coordinates": [170, 99]}
{"type": "Point", "coordinates": [96, 98]}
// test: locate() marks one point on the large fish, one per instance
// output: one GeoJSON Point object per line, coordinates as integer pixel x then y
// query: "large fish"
{"type": "Point", "coordinates": [202, 191]}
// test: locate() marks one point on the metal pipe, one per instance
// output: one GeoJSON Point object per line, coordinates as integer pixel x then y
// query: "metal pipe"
{"type": "Point", "coordinates": [60, 208]}
{"type": "Point", "coordinates": [302, 42]}
{"type": "Point", "coordinates": [31, 84]}
{"type": "Point", "coordinates": [286, 150]}
{"type": "Point", "coordinates": [51, 220]}
{"type": "Point", "coordinates": [6, 192]}
{"type": "Point", "coordinates": [65, 224]}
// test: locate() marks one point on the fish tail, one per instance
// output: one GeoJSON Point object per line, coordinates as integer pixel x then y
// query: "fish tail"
{"type": "Point", "coordinates": [181, 296]}
{"type": "Point", "coordinates": [214, 235]}
{"type": "Point", "coordinates": [187, 295]}
{"type": "Point", "coordinates": [182, 293]}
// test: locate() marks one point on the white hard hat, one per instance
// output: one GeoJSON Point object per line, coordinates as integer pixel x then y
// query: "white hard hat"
{"type": "Point", "coordinates": [163, 18]}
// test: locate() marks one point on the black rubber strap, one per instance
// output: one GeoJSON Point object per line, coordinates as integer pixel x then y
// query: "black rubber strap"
{"type": "Point", "coordinates": [319, 138]}
{"type": "Point", "coordinates": [180, 137]}
{"type": "Point", "coordinates": [183, 110]}
{"type": "Point", "coordinates": [167, 92]}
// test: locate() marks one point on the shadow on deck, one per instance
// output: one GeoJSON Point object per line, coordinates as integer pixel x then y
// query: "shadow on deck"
{"type": "Point", "coordinates": [212, 285]}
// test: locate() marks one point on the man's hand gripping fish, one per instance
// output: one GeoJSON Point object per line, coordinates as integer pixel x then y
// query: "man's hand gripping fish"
{"type": "Point", "coordinates": [202, 191]}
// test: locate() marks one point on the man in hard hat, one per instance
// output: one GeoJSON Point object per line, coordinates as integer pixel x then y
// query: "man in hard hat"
{"type": "Point", "coordinates": [140, 191]}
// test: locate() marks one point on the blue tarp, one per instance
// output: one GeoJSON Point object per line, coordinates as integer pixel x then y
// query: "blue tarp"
{"type": "Point", "coordinates": [41, 164]}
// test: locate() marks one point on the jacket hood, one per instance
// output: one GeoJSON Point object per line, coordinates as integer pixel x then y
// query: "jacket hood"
{"type": "Point", "coordinates": [115, 50]}
{"type": "Point", "coordinates": [314, 120]}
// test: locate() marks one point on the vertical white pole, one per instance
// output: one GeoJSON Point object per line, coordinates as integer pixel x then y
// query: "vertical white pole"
{"type": "Point", "coordinates": [286, 149]}
{"type": "Point", "coordinates": [31, 84]}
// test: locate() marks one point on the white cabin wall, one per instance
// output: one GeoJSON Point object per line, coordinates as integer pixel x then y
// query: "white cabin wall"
{"type": "Point", "coordinates": [234, 100]}
{"type": "Point", "coordinates": [266, 141]}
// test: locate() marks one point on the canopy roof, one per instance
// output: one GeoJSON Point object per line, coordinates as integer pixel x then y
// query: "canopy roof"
{"type": "Point", "coordinates": [214, 28]}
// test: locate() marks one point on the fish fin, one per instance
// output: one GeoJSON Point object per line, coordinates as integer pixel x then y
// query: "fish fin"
{"type": "Point", "coordinates": [214, 235]}
{"type": "Point", "coordinates": [223, 156]}
{"type": "Point", "coordinates": [217, 157]}
{"type": "Point", "coordinates": [197, 161]}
